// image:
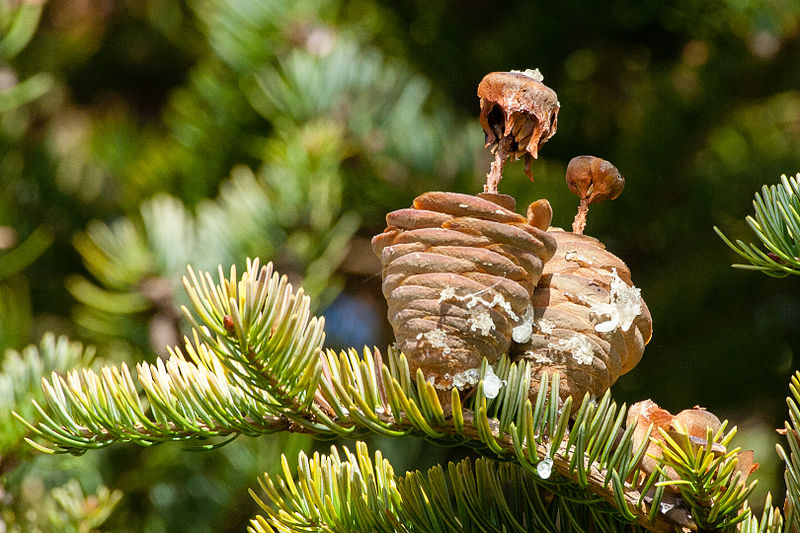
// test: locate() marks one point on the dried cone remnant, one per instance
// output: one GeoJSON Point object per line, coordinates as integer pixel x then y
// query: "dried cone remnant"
{"type": "Point", "coordinates": [518, 114]}
{"type": "Point", "coordinates": [693, 423]}
{"type": "Point", "coordinates": [593, 180]}
{"type": "Point", "coordinates": [590, 322]}
{"type": "Point", "coordinates": [458, 274]}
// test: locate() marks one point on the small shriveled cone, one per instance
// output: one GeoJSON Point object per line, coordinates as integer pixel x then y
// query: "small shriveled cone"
{"type": "Point", "coordinates": [518, 114]}
{"type": "Point", "coordinates": [694, 423]}
{"type": "Point", "coordinates": [593, 180]}
{"type": "Point", "coordinates": [591, 324]}
{"type": "Point", "coordinates": [458, 275]}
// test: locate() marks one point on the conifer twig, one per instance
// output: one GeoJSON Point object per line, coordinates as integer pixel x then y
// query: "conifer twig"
{"type": "Point", "coordinates": [255, 365]}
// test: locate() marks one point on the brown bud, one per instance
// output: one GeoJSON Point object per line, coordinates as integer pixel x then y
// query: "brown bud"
{"type": "Point", "coordinates": [518, 114]}
{"type": "Point", "coordinates": [540, 214]}
{"type": "Point", "coordinates": [227, 323]}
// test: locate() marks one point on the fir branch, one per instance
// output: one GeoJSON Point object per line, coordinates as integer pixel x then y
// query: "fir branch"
{"type": "Point", "coordinates": [68, 507]}
{"type": "Point", "coordinates": [709, 482]}
{"type": "Point", "coordinates": [25, 253]}
{"type": "Point", "coordinates": [777, 226]}
{"type": "Point", "coordinates": [333, 494]}
{"type": "Point", "coordinates": [63, 509]}
{"type": "Point", "coordinates": [255, 365]}
{"type": "Point", "coordinates": [791, 474]}
{"type": "Point", "coordinates": [260, 330]}
{"type": "Point", "coordinates": [771, 520]}
{"type": "Point", "coordinates": [21, 376]}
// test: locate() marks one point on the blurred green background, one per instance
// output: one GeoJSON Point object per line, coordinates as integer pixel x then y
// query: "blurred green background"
{"type": "Point", "coordinates": [139, 136]}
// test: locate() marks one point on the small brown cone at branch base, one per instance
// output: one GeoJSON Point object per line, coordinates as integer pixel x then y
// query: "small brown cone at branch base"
{"type": "Point", "coordinates": [593, 180]}
{"type": "Point", "coordinates": [643, 414]}
{"type": "Point", "coordinates": [518, 114]}
{"type": "Point", "coordinates": [695, 422]}
{"type": "Point", "coordinates": [458, 275]}
{"type": "Point", "coordinates": [692, 423]}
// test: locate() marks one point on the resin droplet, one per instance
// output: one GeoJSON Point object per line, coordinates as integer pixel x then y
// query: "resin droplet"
{"type": "Point", "coordinates": [467, 378]}
{"type": "Point", "coordinates": [481, 321]}
{"type": "Point", "coordinates": [522, 333]}
{"type": "Point", "coordinates": [532, 73]}
{"type": "Point", "coordinates": [545, 467]}
{"type": "Point", "coordinates": [491, 384]}
{"type": "Point", "coordinates": [624, 307]}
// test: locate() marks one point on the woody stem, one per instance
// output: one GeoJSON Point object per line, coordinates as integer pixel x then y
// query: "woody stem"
{"type": "Point", "coordinates": [580, 219]}
{"type": "Point", "coordinates": [496, 171]}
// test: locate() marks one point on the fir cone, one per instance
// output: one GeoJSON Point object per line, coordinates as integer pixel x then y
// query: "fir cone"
{"type": "Point", "coordinates": [693, 423]}
{"type": "Point", "coordinates": [591, 324]}
{"type": "Point", "coordinates": [458, 275]}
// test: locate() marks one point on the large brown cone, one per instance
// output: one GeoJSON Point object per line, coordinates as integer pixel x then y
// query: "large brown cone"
{"type": "Point", "coordinates": [459, 272]}
{"type": "Point", "coordinates": [591, 325]}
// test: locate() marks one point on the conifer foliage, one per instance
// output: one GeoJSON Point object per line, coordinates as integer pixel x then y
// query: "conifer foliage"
{"type": "Point", "coordinates": [255, 364]}
{"type": "Point", "coordinates": [557, 453]}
